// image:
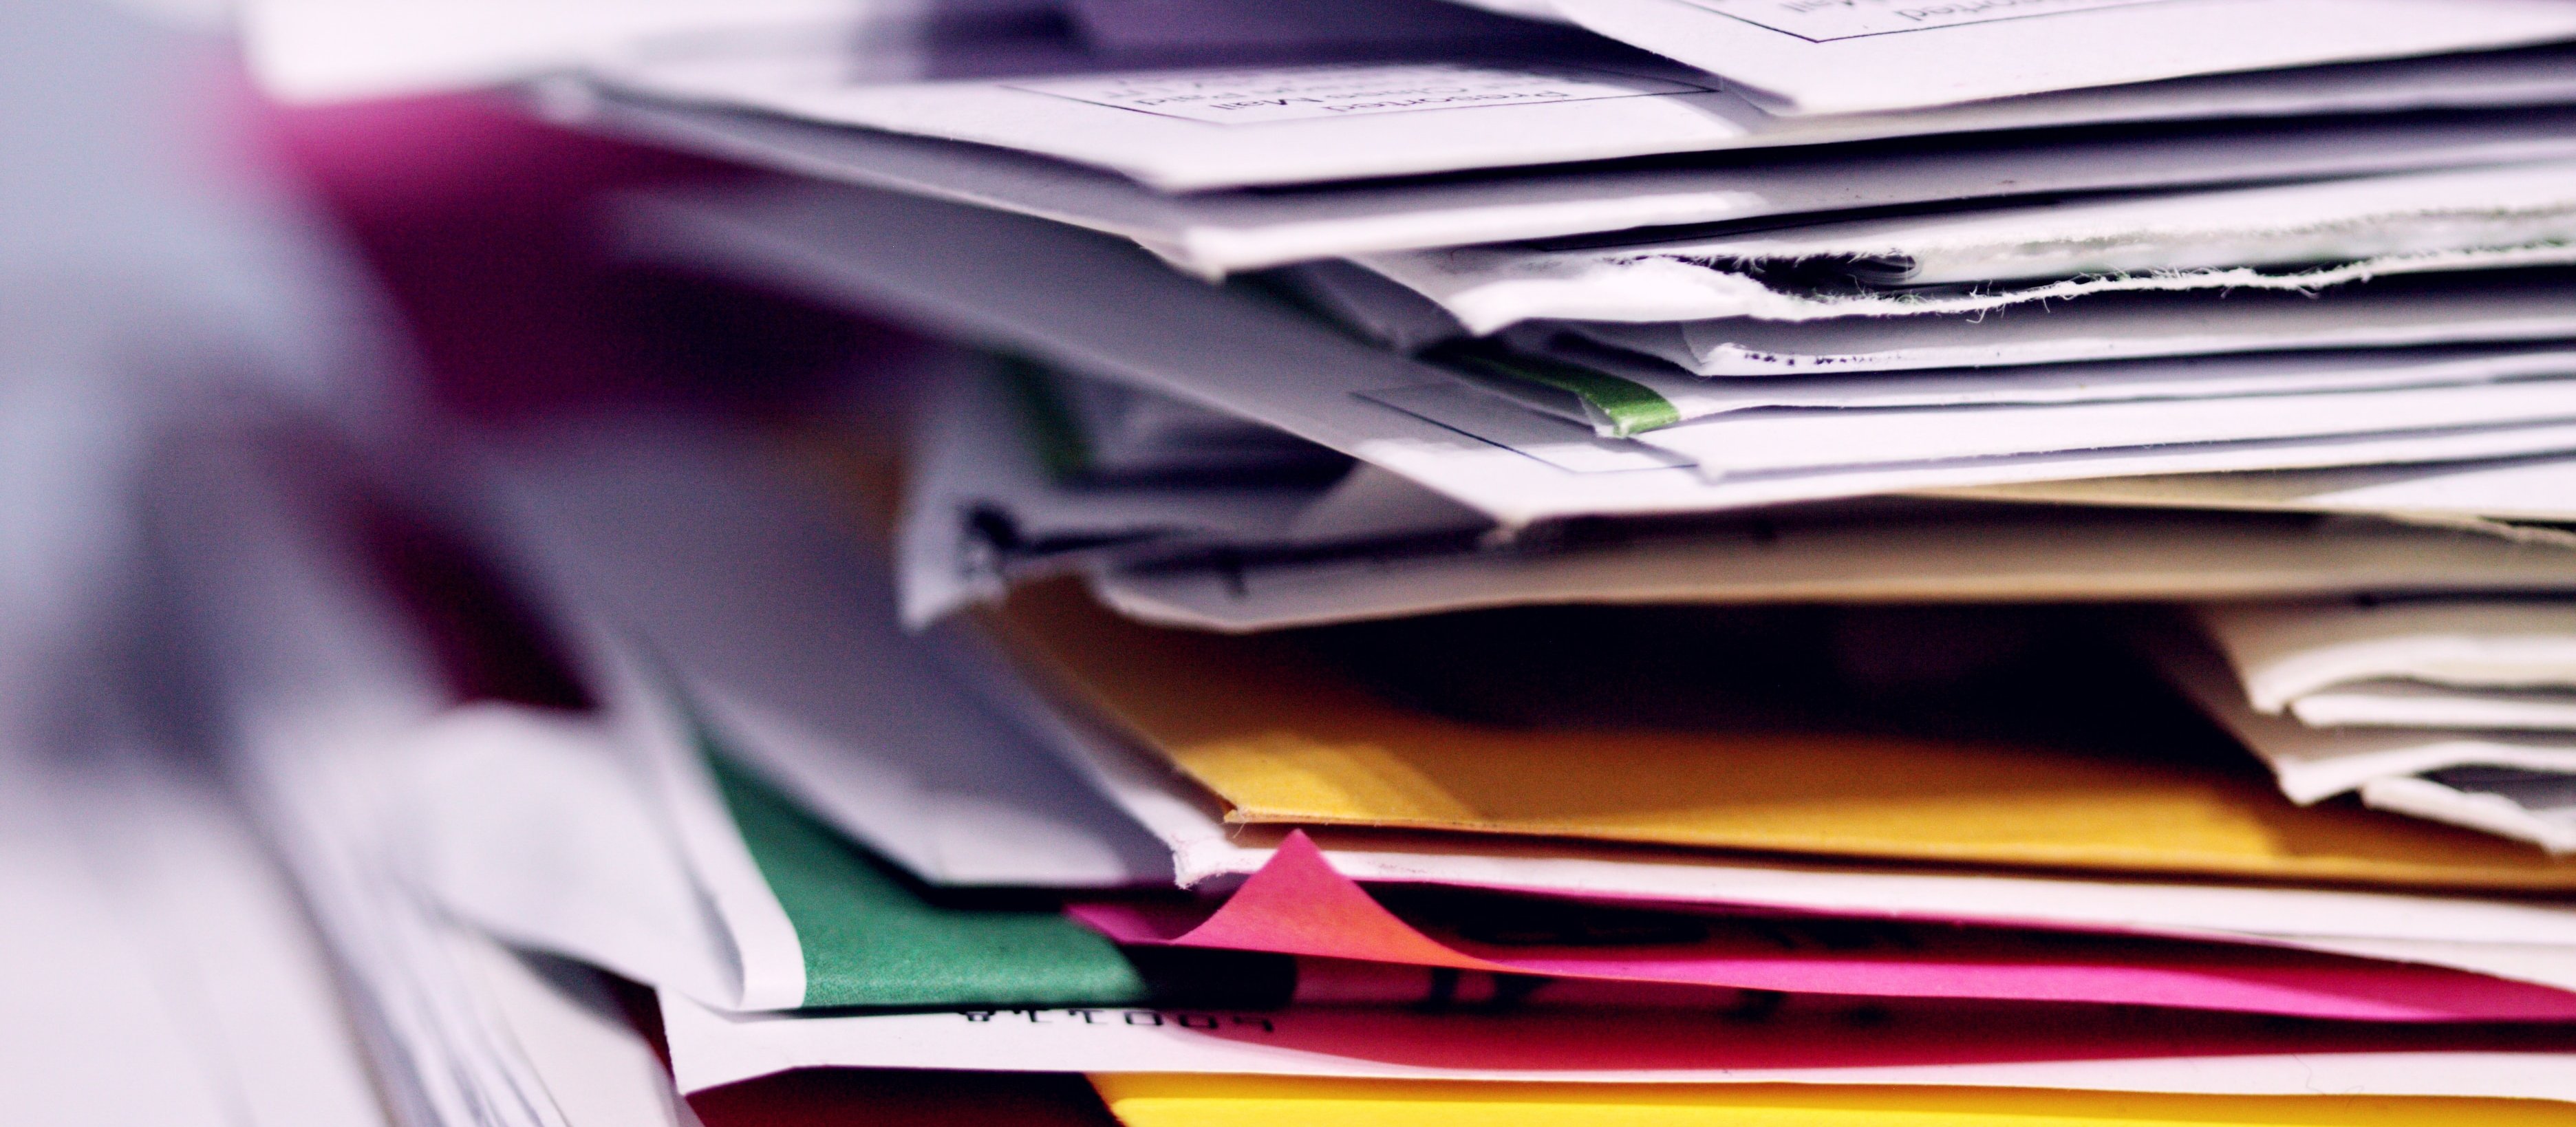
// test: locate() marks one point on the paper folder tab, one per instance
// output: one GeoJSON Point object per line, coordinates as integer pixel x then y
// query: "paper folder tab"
{"type": "Point", "coordinates": [1246, 1101]}
{"type": "Point", "coordinates": [1283, 736]}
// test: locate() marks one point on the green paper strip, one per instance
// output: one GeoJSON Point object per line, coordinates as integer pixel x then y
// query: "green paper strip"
{"type": "Point", "coordinates": [1631, 407]}
{"type": "Point", "coordinates": [869, 939]}
{"type": "Point", "coordinates": [1054, 432]}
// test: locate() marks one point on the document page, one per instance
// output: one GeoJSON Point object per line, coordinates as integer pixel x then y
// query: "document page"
{"type": "Point", "coordinates": [1853, 56]}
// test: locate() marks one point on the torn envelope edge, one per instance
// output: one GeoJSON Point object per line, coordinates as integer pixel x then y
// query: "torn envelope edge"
{"type": "Point", "coordinates": [2310, 222]}
{"type": "Point", "coordinates": [1654, 288]}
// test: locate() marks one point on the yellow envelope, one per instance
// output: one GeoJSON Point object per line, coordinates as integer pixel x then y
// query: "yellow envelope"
{"type": "Point", "coordinates": [1250, 1101]}
{"type": "Point", "coordinates": [1284, 737]}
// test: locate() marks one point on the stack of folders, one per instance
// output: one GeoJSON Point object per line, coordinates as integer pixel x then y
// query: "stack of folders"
{"type": "Point", "coordinates": [1585, 561]}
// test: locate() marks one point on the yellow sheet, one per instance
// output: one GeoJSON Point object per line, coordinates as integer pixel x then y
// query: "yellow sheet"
{"type": "Point", "coordinates": [1283, 737]}
{"type": "Point", "coordinates": [1243, 1101]}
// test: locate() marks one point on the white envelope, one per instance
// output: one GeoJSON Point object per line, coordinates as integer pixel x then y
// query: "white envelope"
{"type": "Point", "coordinates": [1217, 233]}
{"type": "Point", "coordinates": [1891, 54]}
{"type": "Point", "coordinates": [1231, 127]}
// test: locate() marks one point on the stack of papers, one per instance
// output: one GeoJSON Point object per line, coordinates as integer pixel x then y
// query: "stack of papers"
{"type": "Point", "coordinates": [1560, 561]}
{"type": "Point", "coordinates": [796, 822]}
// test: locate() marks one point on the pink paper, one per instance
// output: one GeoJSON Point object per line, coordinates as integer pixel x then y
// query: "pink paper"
{"type": "Point", "coordinates": [1297, 904]}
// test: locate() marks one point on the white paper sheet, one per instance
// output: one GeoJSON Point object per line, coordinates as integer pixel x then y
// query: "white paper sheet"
{"type": "Point", "coordinates": [2040, 555]}
{"type": "Point", "coordinates": [167, 973]}
{"type": "Point", "coordinates": [2190, 434]}
{"type": "Point", "coordinates": [1886, 54]}
{"type": "Point", "coordinates": [2473, 494]}
{"type": "Point", "coordinates": [2297, 237]}
{"type": "Point", "coordinates": [2198, 377]}
{"type": "Point", "coordinates": [2499, 810]}
{"type": "Point", "coordinates": [709, 1049]}
{"type": "Point", "coordinates": [2314, 764]}
{"type": "Point", "coordinates": [543, 835]}
{"type": "Point", "coordinates": [2415, 704]}
{"type": "Point", "coordinates": [1196, 130]}
{"type": "Point", "coordinates": [2399, 312]}
{"type": "Point", "coordinates": [1217, 233]}
{"type": "Point", "coordinates": [2281, 652]}
{"type": "Point", "coordinates": [318, 688]}
{"type": "Point", "coordinates": [1824, 453]}
{"type": "Point", "coordinates": [598, 1070]}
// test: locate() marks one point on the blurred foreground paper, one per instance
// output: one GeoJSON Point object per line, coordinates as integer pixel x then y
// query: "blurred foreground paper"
{"type": "Point", "coordinates": [144, 279]}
